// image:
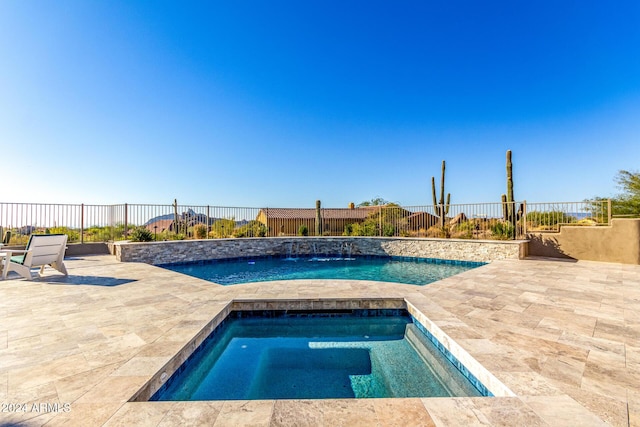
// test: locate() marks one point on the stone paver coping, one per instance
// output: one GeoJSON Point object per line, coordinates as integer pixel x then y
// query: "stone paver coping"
{"type": "Point", "coordinates": [564, 337]}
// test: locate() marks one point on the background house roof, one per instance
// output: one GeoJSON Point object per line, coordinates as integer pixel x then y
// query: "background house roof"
{"type": "Point", "coordinates": [310, 213]}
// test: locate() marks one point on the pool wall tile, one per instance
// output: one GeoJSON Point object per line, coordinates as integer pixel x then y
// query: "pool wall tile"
{"type": "Point", "coordinates": [483, 380]}
{"type": "Point", "coordinates": [306, 305]}
{"type": "Point", "coordinates": [177, 362]}
{"type": "Point", "coordinates": [343, 305]}
{"type": "Point", "coordinates": [439, 261]}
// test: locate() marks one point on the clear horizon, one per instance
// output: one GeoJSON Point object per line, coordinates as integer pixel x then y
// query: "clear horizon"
{"type": "Point", "coordinates": [283, 103]}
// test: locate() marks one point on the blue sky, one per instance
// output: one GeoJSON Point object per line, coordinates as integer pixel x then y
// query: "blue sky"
{"type": "Point", "coordinates": [280, 103]}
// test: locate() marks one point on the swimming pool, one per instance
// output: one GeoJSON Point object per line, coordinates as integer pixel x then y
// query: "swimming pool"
{"type": "Point", "coordinates": [331, 354]}
{"type": "Point", "coordinates": [416, 271]}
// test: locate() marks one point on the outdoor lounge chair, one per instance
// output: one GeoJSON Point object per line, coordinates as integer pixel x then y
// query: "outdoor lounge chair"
{"type": "Point", "coordinates": [42, 250]}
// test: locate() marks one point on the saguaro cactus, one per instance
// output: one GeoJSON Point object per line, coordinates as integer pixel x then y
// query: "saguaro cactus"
{"type": "Point", "coordinates": [175, 216]}
{"type": "Point", "coordinates": [508, 201]}
{"type": "Point", "coordinates": [318, 219]}
{"type": "Point", "coordinates": [441, 208]}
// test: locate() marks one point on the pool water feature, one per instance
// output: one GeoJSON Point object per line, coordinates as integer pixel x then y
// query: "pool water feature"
{"type": "Point", "coordinates": [416, 271]}
{"type": "Point", "coordinates": [301, 355]}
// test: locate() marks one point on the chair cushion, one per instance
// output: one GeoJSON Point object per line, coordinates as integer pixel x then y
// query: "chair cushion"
{"type": "Point", "coordinates": [19, 259]}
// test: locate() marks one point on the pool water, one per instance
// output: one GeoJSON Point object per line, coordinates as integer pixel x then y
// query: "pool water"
{"type": "Point", "coordinates": [316, 357]}
{"type": "Point", "coordinates": [416, 271]}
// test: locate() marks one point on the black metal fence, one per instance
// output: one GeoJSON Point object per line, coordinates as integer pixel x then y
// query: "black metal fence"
{"type": "Point", "coordinates": [102, 223]}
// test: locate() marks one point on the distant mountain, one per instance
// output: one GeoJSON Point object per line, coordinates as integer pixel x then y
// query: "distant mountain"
{"type": "Point", "coordinates": [191, 217]}
{"type": "Point", "coordinates": [159, 218]}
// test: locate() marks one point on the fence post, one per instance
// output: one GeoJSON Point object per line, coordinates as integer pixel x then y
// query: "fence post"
{"type": "Point", "coordinates": [126, 216]}
{"type": "Point", "coordinates": [175, 216]}
{"type": "Point", "coordinates": [208, 223]}
{"type": "Point", "coordinates": [524, 218]}
{"type": "Point", "coordinates": [112, 222]}
{"type": "Point", "coordinates": [81, 223]}
{"type": "Point", "coordinates": [609, 213]}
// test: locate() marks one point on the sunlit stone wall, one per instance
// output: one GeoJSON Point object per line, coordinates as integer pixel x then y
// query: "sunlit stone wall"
{"type": "Point", "coordinates": [200, 250]}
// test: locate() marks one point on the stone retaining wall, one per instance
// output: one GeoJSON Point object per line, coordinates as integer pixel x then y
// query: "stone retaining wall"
{"type": "Point", "coordinates": [199, 250]}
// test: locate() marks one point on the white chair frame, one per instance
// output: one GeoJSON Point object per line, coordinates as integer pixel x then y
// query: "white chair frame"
{"type": "Point", "coordinates": [42, 250]}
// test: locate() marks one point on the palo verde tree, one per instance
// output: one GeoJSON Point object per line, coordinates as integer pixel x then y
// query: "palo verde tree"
{"type": "Point", "coordinates": [377, 201]}
{"type": "Point", "coordinates": [386, 221]}
{"type": "Point", "coordinates": [628, 201]}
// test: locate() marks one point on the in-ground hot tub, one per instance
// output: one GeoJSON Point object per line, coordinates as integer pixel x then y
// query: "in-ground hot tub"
{"type": "Point", "coordinates": [342, 352]}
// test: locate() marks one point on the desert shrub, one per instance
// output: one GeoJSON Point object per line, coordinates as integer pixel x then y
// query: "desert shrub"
{"type": "Point", "coordinates": [223, 228]}
{"type": "Point", "coordinates": [251, 229]}
{"type": "Point", "coordinates": [537, 219]}
{"type": "Point", "coordinates": [420, 232]}
{"type": "Point", "coordinates": [348, 230]}
{"type": "Point", "coordinates": [502, 230]}
{"type": "Point", "coordinates": [388, 230]}
{"type": "Point", "coordinates": [388, 221]}
{"type": "Point", "coordinates": [367, 228]}
{"type": "Point", "coordinates": [587, 221]}
{"type": "Point", "coordinates": [303, 230]}
{"type": "Point", "coordinates": [117, 231]}
{"type": "Point", "coordinates": [141, 234]}
{"type": "Point", "coordinates": [200, 231]}
{"type": "Point", "coordinates": [463, 230]}
{"type": "Point", "coordinates": [72, 235]}
{"type": "Point", "coordinates": [358, 229]}
{"type": "Point", "coordinates": [167, 235]}
{"type": "Point", "coordinates": [437, 231]}
{"type": "Point", "coordinates": [98, 234]}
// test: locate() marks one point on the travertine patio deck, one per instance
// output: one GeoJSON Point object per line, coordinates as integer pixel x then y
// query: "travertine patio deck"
{"type": "Point", "coordinates": [564, 336]}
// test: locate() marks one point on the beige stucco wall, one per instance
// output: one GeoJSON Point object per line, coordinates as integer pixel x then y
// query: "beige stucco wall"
{"type": "Point", "coordinates": [619, 242]}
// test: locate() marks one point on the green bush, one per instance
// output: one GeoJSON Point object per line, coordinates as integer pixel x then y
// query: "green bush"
{"type": "Point", "coordinates": [251, 229]}
{"type": "Point", "coordinates": [303, 230]}
{"type": "Point", "coordinates": [388, 230]}
{"type": "Point", "coordinates": [548, 218]}
{"type": "Point", "coordinates": [97, 234]}
{"type": "Point", "coordinates": [200, 231]}
{"type": "Point", "coordinates": [390, 221]}
{"type": "Point", "coordinates": [463, 230]}
{"type": "Point", "coordinates": [438, 232]}
{"type": "Point", "coordinates": [117, 231]}
{"type": "Point", "coordinates": [503, 230]}
{"type": "Point", "coordinates": [223, 228]}
{"type": "Point", "coordinates": [73, 236]}
{"type": "Point", "coordinates": [141, 234]}
{"type": "Point", "coordinates": [367, 228]}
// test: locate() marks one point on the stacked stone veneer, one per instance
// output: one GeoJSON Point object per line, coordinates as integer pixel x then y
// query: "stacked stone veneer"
{"type": "Point", "coordinates": [200, 250]}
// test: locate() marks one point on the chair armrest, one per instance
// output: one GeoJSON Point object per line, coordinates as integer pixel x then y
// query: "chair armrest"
{"type": "Point", "coordinates": [16, 251]}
